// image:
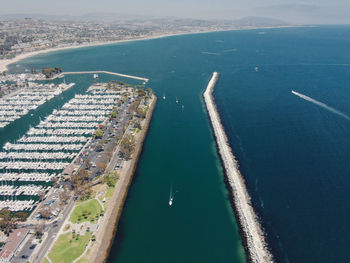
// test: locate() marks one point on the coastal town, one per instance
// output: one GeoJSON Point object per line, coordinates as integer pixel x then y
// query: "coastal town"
{"type": "Point", "coordinates": [23, 35]}
{"type": "Point", "coordinates": [67, 177]}
{"type": "Point", "coordinates": [19, 36]}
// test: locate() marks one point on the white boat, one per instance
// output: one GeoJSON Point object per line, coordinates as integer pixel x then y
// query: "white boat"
{"type": "Point", "coordinates": [164, 97]}
{"type": "Point", "coordinates": [177, 101]}
{"type": "Point", "coordinates": [95, 76]}
{"type": "Point", "coordinates": [171, 197]}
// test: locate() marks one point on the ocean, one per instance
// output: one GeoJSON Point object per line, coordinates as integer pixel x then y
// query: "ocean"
{"type": "Point", "coordinates": [293, 152]}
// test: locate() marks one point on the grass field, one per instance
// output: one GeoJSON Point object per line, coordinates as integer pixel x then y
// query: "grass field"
{"type": "Point", "coordinates": [67, 248]}
{"type": "Point", "coordinates": [110, 192]}
{"type": "Point", "coordinates": [45, 261]}
{"type": "Point", "coordinates": [89, 211]}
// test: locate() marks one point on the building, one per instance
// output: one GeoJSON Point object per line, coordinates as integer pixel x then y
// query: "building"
{"type": "Point", "coordinates": [13, 242]}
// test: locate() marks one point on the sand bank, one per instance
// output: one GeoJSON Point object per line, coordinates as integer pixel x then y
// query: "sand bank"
{"type": "Point", "coordinates": [254, 240]}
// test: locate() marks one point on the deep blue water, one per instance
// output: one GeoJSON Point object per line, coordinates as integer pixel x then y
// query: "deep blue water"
{"type": "Point", "coordinates": [293, 154]}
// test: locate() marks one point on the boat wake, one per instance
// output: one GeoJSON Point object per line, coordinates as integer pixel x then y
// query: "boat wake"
{"type": "Point", "coordinates": [321, 104]}
{"type": "Point", "coordinates": [210, 53]}
{"type": "Point", "coordinates": [230, 50]}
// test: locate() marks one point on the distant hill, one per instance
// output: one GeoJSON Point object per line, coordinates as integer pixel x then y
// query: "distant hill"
{"type": "Point", "coordinates": [259, 21]}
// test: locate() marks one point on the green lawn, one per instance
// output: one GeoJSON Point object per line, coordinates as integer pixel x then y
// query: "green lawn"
{"type": "Point", "coordinates": [65, 251]}
{"type": "Point", "coordinates": [83, 259]}
{"type": "Point", "coordinates": [110, 192]}
{"type": "Point", "coordinates": [89, 211]}
{"type": "Point", "coordinates": [45, 261]}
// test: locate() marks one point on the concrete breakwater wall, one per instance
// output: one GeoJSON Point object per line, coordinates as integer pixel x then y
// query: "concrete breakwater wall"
{"type": "Point", "coordinates": [252, 234]}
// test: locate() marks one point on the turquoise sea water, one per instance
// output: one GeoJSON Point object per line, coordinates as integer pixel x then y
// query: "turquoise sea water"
{"type": "Point", "coordinates": [292, 153]}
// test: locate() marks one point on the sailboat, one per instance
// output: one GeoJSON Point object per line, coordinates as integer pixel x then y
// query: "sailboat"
{"type": "Point", "coordinates": [177, 101]}
{"type": "Point", "coordinates": [164, 97]}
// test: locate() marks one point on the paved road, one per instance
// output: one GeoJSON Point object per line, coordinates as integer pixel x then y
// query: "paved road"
{"type": "Point", "coordinates": [52, 232]}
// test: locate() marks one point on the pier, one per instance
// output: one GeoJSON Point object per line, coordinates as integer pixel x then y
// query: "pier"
{"type": "Point", "coordinates": [255, 244]}
{"type": "Point", "coordinates": [102, 72]}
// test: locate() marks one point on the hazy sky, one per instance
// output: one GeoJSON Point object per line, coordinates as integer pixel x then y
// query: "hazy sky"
{"type": "Point", "coordinates": [303, 11]}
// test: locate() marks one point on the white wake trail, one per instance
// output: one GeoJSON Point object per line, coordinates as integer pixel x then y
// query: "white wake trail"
{"type": "Point", "coordinates": [321, 104]}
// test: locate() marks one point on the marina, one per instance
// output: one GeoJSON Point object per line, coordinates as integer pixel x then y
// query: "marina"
{"type": "Point", "coordinates": [22, 190]}
{"type": "Point", "coordinates": [28, 99]}
{"type": "Point", "coordinates": [18, 205]}
{"type": "Point", "coordinates": [47, 149]}
{"type": "Point", "coordinates": [27, 177]}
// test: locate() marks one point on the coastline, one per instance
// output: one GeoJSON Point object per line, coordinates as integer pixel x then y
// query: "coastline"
{"type": "Point", "coordinates": [250, 229]}
{"type": "Point", "coordinates": [99, 252]}
{"type": "Point", "coordinates": [6, 62]}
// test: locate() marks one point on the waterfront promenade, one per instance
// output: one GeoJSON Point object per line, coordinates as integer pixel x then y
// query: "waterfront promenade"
{"type": "Point", "coordinates": [103, 72]}
{"type": "Point", "coordinates": [250, 227]}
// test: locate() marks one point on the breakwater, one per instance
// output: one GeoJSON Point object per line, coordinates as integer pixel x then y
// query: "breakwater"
{"type": "Point", "coordinates": [250, 228]}
{"type": "Point", "coordinates": [103, 72]}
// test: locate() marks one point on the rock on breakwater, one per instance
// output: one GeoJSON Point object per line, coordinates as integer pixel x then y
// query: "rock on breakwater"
{"type": "Point", "coordinates": [254, 239]}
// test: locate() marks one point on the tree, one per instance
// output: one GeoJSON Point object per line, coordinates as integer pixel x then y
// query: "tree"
{"type": "Point", "coordinates": [141, 112]}
{"type": "Point", "coordinates": [127, 146]}
{"type": "Point", "coordinates": [99, 133]}
{"type": "Point", "coordinates": [111, 178]}
{"type": "Point", "coordinates": [5, 214]}
{"type": "Point", "coordinates": [80, 178]}
{"type": "Point", "coordinates": [101, 167]}
{"type": "Point", "coordinates": [149, 92]}
{"type": "Point", "coordinates": [7, 225]}
{"type": "Point", "coordinates": [39, 230]}
{"type": "Point", "coordinates": [137, 125]}
{"type": "Point", "coordinates": [21, 216]}
{"type": "Point", "coordinates": [64, 196]}
{"type": "Point", "coordinates": [41, 195]}
{"type": "Point", "coordinates": [88, 163]}
{"type": "Point", "coordinates": [54, 180]}
{"type": "Point", "coordinates": [45, 213]}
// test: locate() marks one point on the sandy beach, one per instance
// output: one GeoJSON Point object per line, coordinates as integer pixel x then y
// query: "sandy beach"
{"type": "Point", "coordinates": [5, 62]}
{"type": "Point", "coordinates": [254, 240]}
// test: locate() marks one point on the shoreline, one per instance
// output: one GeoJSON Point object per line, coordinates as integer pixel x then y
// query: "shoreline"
{"type": "Point", "coordinates": [249, 226]}
{"type": "Point", "coordinates": [99, 252]}
{"type": "Point", "coordinates": [6, 62]}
